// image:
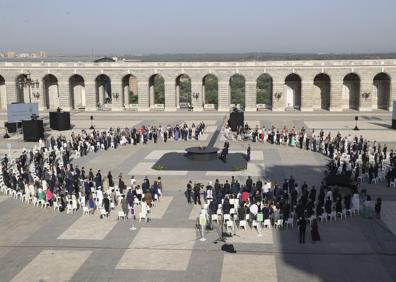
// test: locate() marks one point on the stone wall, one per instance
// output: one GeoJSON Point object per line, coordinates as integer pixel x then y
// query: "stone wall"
{"type": "Point", "coordinates": [331, 93]}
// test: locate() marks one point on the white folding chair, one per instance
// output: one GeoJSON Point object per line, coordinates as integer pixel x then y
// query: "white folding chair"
{"type": "Point", "coordinates": [103, 212]}
{"type": "Point", "coordinates": [142, 215]}
{"type": "Point", "coordinates": [267, 223]}
{"type": "Point", "coordinates": [86, 211]}
{"type": "Point", "coordinates": [289, 222]}
{"type": "Point", "coordinates": [279, 224]}
{"type": "Point", "coordinates": [333, 216]}
{"type": "Point", "coordinates": [243, 224]}
{"type": "Point", "coordinates": [121, 215]}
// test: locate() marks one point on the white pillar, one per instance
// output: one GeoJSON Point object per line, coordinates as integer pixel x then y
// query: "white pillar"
{"type": "Point", "coordinates": [366, 86]}
{"type": "Point", "coordinates": [170, 96]}
{"type": "Point", "coordinates": [307, 92]}
{"type": "Point", "coordinates": [196, 87]}
{"type": "Point", "coordinates": [90, 96]}
{"type": "Point", "coordinates": [143, 96]}
{"type": "Point", "coordinates": [278, 104]}
{"type": "Point", "coordinates": [116, 87]}
{"type": "Point", "coordinates": [250, 96]}
{"type": "Point", "coordinates": [64, 95]}
{"type": "Point", "coordinates": [224, 96]}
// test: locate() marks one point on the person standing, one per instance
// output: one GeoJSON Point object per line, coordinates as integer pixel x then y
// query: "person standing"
{"type": "Point", "coordinates": [121, 184]}
{"type": "Point", "coordinates": [377, 207]}
{"type": "Point", "coordinates": [124, 206]}
{"type": "Point", "coordinates": [302, 224]}
{"type": "Point", "coordinates": [188, 192]}
{"type": "Point", "coordinates": [197, 194]}
{"type": "Point", "coordinates": [315, 236]}
{"type": "Point", "coordinates": [248, 153]}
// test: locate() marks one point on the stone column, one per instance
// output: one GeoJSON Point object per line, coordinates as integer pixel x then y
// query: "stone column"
{"type": "Point", "coordinates": [44, 96]}
{"type": "Point", "coordinates": [392, 94]}
{"type": "Point", "coordinates": [64, 95]}
{"type": "Point", "coordinates": [224, 96]}
{"type": "Point", "coordinates": [11, 91]}
{"type": "Point", "coordinates": [336, 98]}
{"type": "Point", "coordinates": [116, 87]}
{"type": "Point", "coordinates": [307, 92]}
{"type": "Point", "coordinates": [278, 105]}
{"type": "Point", "coordinates": [143, 96]}
{"type": "Point", "coordinates": [365, 104]}
{"type": "Point", "coordinates": [90, 96]}
{"type": "Point", "coordinates": [177, 93]}
{"type": "Point", "coordinates": [170, 96]}
{"type": "Point", "coordinates": [196, 87]}
{"type": "Point", "coordinates": [250, 96]}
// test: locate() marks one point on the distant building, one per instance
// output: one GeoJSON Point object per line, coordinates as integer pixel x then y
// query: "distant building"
{"type": "Point", "coordinates": [105, 60]}
{"type": "Point", "coordinates": [11, 54]}
{"type": "Point", "coordinates": [23, 55]}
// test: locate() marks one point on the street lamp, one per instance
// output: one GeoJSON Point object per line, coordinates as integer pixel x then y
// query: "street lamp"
{"type": "Point", "coordinates": [26, 81]}
{"type": "Point", "coordinates": [278, 95]}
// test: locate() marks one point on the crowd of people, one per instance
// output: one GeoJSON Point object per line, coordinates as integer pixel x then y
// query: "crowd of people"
{"type": "Point", "coordinates": [46, 177]}
{"type": "Point", "coordinates": [269, 204]}
{"type": "Point", "coordinates": [350, 155]}
{"type": "Point", "coordinates": [95, 140]}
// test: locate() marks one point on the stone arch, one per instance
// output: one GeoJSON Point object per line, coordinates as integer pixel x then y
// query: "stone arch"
{"type": "Point", "coordinates": [156, 89]}
{"type": "Point", "coordinates": [183, 89]}
{"type": "Point", "coordinates": [51, 92]}
{"type": "Point", "coordinates": [103, 89]}
{"type": "Point", "coordinates": [321, 99]}
{"type": "Point", "coordinates": [3, 93]}
{"type": "Point", "coordinates": [382, 91]}
{"type": "Point", "coordinates": [351, 91]}
{"type": "Point", "coordinates": [78, 99]}
{"type": "Point", "coordinates": [210, 90]}
{"type": "Point", "coordinates": [264, 90]}
{"type": "Point", "coordinates": [129, 90]}
{"type": "Point", "coordinates": [238, 90]}
{"type": "Point", "coordinates": [293, 91]}
{"type": "Point", "coordinates": [22, 93]}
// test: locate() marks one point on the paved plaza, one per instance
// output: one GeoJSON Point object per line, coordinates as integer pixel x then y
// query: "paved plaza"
{"type": "Point", "coordinates": [39, 244]}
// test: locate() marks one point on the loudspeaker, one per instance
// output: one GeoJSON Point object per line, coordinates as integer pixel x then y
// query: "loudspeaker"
{"type": "Point", "coordinates": [12, 127]}
{"type": "Point", "coordinates": [356, 118]}
{"type": "Point", "coordinates": [33, 130]}
{"type": "Point", "coordinates": [60, 120]}
{"type": "Point", "coordinates": [236, 119]}
{"type": "Point", "coordinates": [91, 117]}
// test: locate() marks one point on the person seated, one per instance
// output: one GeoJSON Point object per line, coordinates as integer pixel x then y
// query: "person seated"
{"type": "Point", "coordinates": [338, 205]}
{"type": "Point", "coordinates": [226, 206]}
{"type": "Point", "coordinates": [253, 209]}
{"type": "Point", "coordinates": [245, 196]}
{"type": "Point", "coordinates": [347, 202]}
{"type": "Point", "coordinates": [41, 195]}
{"type": "Point", "coordinates": [328, 205]}
{"type": "Point", "coordinates": [106, 204]}
{"type": "Point", "coordinates": [266, 212]}
{"type": "Point", "coordinates": [241, 212]}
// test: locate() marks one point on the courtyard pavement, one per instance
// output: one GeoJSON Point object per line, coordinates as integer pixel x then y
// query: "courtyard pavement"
{"type": "Point", "coordinates": [42, 245]}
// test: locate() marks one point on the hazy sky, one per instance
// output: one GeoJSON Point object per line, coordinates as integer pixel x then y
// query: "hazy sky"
{"type": "Point", "coordinates": [198, 26]}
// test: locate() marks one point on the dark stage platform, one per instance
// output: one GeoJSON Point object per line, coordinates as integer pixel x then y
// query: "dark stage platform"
{"type": "Point", "coordinates": [179, 161]}
{"type": "Point", "coordinates": [202, 153]}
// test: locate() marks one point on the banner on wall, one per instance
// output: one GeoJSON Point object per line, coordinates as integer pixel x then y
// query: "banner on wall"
{"type": "Point", "coordinates": [21, 111]}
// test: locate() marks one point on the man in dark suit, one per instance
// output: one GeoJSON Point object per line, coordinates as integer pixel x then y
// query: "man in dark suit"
{"type": "Point", "coordinates": [302, 224]}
